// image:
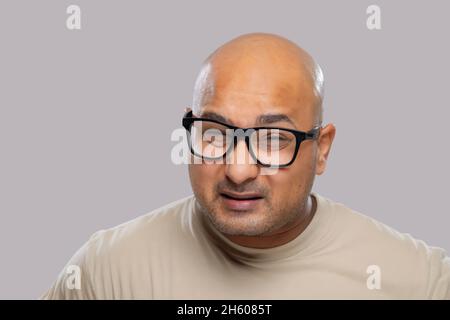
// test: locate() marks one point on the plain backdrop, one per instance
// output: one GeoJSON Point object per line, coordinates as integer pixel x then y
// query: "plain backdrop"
{"type": "Point", "coordinates": [86, 115]}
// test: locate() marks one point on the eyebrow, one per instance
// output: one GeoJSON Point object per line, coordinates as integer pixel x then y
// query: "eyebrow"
{"type": "Point", "coordinates": [272, 118]}
{"type": "Point", "coordinates": [215, 116]}
{"type": "Point", "coordinates": [261, 120]}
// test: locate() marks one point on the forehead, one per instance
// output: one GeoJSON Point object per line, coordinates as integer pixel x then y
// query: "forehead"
{"type": "Point", "coordinates": [245, 108]}
{"type": "Point", "coordinates": [245, 90]}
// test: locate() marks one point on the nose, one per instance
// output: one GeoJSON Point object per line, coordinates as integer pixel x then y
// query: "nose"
{"type": "Point", "coordinates": [241, 167]}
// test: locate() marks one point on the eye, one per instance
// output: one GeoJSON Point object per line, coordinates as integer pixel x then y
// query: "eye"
{"type": "Point", "coordinates": [214, 137]}
{"type": "Point", "coordinates": [274, 139]}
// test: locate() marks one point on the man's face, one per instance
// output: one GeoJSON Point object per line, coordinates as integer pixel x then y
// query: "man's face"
{"type": "Point", "coordinates": [238, 199]}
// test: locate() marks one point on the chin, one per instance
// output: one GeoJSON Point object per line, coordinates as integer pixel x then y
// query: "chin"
{"type": "Point", "coordinates": [241, 224]}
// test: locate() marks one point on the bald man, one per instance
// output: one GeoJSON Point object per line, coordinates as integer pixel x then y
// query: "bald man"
{"type": "Point", "coordinates": [253, 229]}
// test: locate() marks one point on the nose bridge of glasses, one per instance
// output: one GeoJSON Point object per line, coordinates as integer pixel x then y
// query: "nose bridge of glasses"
{"type": "Point", "coordinates": [249, 152]}
{"type": "Point", "coordinates": [240, 146]}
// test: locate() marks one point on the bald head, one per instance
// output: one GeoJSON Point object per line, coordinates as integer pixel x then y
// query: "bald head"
{"type": "Point", "coordinates": [261, 64]}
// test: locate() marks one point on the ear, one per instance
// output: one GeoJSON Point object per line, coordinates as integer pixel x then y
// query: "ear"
{"type": "Point", "coordinates": [187, 109]}
{"type": "Point", "coordinates": [325, 140]}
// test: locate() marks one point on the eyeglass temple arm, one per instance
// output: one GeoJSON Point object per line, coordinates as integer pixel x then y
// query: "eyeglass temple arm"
{"type": "Point", "coordinates": [313, 133]}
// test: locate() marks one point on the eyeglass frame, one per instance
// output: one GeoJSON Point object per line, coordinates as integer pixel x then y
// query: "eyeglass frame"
{"type": "Point", "coordinates": [300, 136]}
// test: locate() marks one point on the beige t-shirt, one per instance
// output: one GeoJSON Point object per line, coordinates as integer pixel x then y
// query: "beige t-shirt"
{"type": "Point", "coordinates": [175, 253]}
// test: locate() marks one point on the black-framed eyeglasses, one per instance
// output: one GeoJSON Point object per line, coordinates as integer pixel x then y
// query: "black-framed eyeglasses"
{"type": "Point", "coordinates": [270, 147]}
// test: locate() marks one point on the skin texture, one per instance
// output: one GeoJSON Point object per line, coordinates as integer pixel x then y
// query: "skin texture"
{"type": "Point", "coordinates": [252, 75]}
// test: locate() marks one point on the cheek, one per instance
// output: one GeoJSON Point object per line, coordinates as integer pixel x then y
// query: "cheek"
{"type": "Point", "coordinates": [204, 178]}
{"type": "Point", "coordinates": [285, 184]}
{"type": "Point", "coordinates": [304, 165]}
{"type": "Point", "coordinates": [290, 183]}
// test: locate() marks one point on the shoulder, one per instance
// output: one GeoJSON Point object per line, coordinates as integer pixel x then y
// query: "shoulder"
{"type": "Point", "coordinates": [110, 257]}
{"type": "Point", "coordinates": [386, 239]}
{"type": "Point", "coordinates": [405, 259]}
{"type": "Point", "coordinates": [150, 228]}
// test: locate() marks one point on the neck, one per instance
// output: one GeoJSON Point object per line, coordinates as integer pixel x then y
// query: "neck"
{"type": "Point", "coordinates": [282, 235]}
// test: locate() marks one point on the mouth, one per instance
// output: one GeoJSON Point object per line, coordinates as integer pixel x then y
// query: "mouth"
{"type": "Point", "coordinates": [241, 201]}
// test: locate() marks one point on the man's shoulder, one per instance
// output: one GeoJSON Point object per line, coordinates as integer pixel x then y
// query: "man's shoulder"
{"type": "Point", "coordinates": [143, 232]}
{"type": "Point", "coordinates": [359, 228]}
{"type": "Point", "coordinates": [372, 232]}
{"type": "Point", "coordinates": [398, 254]}
{"type": "Point", "coordinates": [114, 254]}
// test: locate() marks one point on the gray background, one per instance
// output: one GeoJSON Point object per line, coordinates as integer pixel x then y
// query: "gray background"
{"type": "Point", "coordinates": [86, 116]}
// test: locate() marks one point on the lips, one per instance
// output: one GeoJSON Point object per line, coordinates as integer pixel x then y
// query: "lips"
{"type": "Point", "coordinates": [241, 196]}
{"type": "Point", "coordinates": [241, 201]}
